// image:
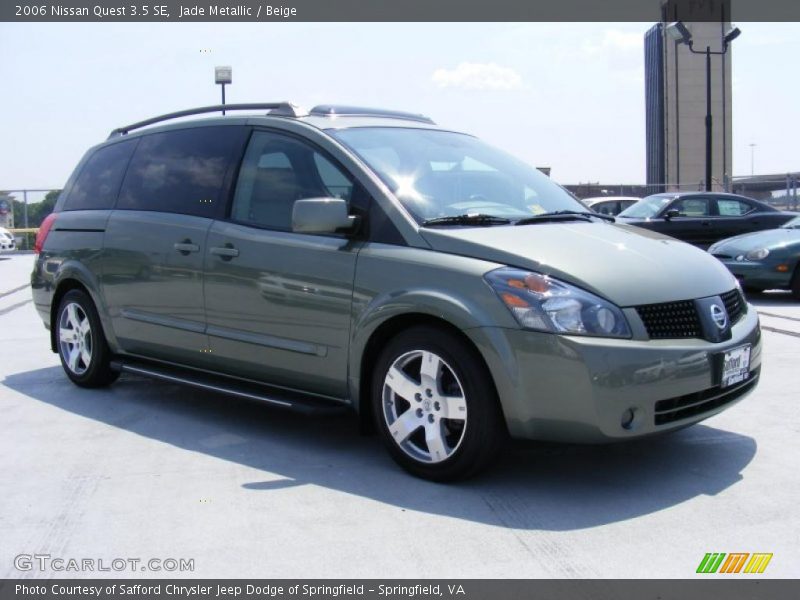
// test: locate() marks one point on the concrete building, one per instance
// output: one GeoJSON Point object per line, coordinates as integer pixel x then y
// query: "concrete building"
{"type": "Point", "coordinates": [675, 94]}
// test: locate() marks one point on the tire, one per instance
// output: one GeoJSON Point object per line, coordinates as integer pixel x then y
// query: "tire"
{"type": "Point", "coordinates": [428, 436]}
{"type": "Point", "coordinates": [81, 344]}
{"type": "Point", "coordinates": [796, 283]}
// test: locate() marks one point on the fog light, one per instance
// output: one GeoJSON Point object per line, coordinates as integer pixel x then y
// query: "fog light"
{"type": "Point", "coordinates": [627, 418]}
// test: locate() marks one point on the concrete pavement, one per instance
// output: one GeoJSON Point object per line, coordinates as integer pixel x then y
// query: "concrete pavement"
{"type": "Point", "coordinates": [147, 470]}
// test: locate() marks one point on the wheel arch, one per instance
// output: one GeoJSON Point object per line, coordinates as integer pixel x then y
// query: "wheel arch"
{"type": "Point", "coordinates": [389, 328]}
{"type": "Point", "coordinates": [72, 277]}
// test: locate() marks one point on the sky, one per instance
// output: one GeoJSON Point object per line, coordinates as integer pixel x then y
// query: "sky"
{"type": "Point", "coordinates": [569, 96]}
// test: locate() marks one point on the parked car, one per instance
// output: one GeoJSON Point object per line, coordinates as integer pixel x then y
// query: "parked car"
{"type": "Point", "coordinates": [610, 205]}
{"type": "Point", "coordinates": [366, 260]}
{"type": "Point", "coordinates": [702, 218]}
{"type": "Point", "coordinates": [7, 241]}
{"type": "Point", "coordinates": [765, 259]}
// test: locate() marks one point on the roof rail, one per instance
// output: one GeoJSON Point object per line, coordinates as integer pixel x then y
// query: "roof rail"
{"type": "Point", "coordinates": [285, 109]}
{"type": "Point", "coordinates": [330, 110]}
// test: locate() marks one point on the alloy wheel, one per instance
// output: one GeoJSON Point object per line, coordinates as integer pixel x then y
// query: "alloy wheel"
{"type": "Point", "coordinates": [424, 406]}
{"type": "Point", "coordinates": [75, 338]}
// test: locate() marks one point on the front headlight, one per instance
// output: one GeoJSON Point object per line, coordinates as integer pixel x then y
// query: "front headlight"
{"type": "Point", "coordinates": [546, 304]}
{"type": "Point", "coordinates": [759, 254]}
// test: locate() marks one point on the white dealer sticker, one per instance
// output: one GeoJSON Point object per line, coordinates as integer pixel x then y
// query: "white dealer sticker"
{"type": "Point", "coordinates": [735, 366]}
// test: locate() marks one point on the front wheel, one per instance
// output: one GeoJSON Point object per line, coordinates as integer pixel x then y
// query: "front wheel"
{"type": "Point", "coordinates": [435, 405]}
{"type": "Point", "coordinates": [796, 283]}
{"type": "Point", "coordinates": [82, 346]}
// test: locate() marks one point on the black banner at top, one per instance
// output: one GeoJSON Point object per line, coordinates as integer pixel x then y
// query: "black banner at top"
{"type": "Point", "coordinates": [399, 10]}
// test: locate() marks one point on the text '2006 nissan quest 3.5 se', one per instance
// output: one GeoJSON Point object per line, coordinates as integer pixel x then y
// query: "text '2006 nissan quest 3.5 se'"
{"type": "Point", "coordinates": [350, 258]}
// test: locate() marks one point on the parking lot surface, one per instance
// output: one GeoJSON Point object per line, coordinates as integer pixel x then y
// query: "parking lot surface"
{"type": "Point", "coordinates": [150, 470]}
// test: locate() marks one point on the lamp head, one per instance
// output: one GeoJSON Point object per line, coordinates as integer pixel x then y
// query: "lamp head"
{"type": "Point", "coordinates": [679, 32]}
{"type": "Point", "coordinates": [732, 35]}
{"type": "Point", "coordinates": [223, 74]}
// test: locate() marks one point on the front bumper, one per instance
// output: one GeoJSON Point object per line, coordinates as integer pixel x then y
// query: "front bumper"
{"type": "Point", "coordinates": [578, 389]}
{"type": "Point", "coordinates": [762, 275]}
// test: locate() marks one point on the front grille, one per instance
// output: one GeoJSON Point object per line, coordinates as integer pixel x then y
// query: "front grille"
{"type": "Point", "coordinates": [734, 305]}
{"type": "Point", "coordinates": [691, 405]}
{"type": "Point", "coordinates": [722, 256]}
{"type": "Point", "coordinates": [675, 320]}
{"type": "Point", "coordinates": [670, 320]}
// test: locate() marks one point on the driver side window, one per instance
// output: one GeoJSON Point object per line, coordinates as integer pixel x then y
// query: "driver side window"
{"type": "Point", "coordinates": [692, 207]}
{"type": "Point", "coordinates": [276, 171]}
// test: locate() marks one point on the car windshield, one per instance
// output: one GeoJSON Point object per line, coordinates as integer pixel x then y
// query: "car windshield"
{"type": "Point", "coordinates": [793, 224]}
{"type": "Point", "coordinates": [647, 207]}
{"type": "Point", "coordinates": [438, 174]}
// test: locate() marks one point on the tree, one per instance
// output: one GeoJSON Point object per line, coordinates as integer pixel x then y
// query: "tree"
{"type": "Point", "coordinates": [37, 211]}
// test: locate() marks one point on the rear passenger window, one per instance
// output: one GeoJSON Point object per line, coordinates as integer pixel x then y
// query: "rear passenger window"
{"type": "Point", "coordinates": [181, 171]}
{"type": "Point", "coordinates": [276, 171]}
{"type": "Point", "coordinates": [98, 182]}
{"type": "Point", "coordinates": [732, 208]}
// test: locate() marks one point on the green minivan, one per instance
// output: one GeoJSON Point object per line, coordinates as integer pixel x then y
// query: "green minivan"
{"type": "Point", "coordinates": [357, 259]}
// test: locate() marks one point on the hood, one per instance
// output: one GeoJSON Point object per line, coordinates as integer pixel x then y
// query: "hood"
{"type": "Point", "coordinates": [627, 265]}
{"type": "Point", "coordinates": [770, 239]}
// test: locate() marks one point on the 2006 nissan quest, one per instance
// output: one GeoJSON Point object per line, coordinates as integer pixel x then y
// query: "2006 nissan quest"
{"type": "Point", "coordinates": [366, 259]}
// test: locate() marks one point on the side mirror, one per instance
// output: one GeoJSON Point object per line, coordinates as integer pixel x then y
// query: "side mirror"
{"type": "Point", "coordinates": [672, 213]}
{"type": "Point", "coordinates": [321, 215]}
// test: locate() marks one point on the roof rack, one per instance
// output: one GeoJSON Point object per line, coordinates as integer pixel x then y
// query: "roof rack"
{"type": "Point", "coordinates": [285, 109]}
{"type": "Point", "coordinates": [330, 110]}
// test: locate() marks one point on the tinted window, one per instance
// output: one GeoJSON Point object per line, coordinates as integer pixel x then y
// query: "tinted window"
{"type": "Point", "coordinates": [98, 182]}
{"type": "Point", "coordinates": [692, 207]}
{"type": "Point", "coordinates": [732, 208]}
{"type": "Point", "coordinates": [607, 208]}
{"type": "Point", "coordinates": [181, 171]}
{"type": "Point", "coordinates": [276, 171]}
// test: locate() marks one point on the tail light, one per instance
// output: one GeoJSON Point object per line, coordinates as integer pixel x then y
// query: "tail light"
{"type": "Point", "coordinates": [44, 229]}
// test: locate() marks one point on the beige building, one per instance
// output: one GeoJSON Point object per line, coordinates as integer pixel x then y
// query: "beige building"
{"type": "Point", "coordinates": [685, 108]}
{"type": "Point", "coordinates": [676, 85]}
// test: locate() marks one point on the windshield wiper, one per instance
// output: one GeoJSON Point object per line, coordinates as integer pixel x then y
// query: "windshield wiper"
{"type": "Point", "coordinates": [564, 215]}
{"type": "Point", "coordinates": [467, 219]}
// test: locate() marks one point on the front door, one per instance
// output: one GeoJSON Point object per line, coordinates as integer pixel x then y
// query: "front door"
{"type": "Point", "coordinates": [278, 303]}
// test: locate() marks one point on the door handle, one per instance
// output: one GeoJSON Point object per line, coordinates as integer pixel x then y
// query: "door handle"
{"type": "Point", "coordinates": [225, 252]}
{"type": "Point", "coordinates": [705, 223]}
{"type": "Point", "coordinates": [185, 247]}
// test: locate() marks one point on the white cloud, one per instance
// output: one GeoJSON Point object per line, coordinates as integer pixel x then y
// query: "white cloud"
{"type": "Point", "coordinates": [478, 76]}
{"type": "Point", "coordinates": [614, 39]}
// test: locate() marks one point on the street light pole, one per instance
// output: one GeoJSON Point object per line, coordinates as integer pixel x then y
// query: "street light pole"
{"type": "Point", "coordinates": [678, 31]}
{"type": "Point", "coordinates": [223, 76]}
{"type": "Point", "coordinates": [752, 158]}
{"type": "Point", "coordinates": [709, 121]}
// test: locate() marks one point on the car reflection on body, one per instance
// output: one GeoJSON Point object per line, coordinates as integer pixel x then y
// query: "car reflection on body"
{"type": "Point", "coordinates": [765, 259]}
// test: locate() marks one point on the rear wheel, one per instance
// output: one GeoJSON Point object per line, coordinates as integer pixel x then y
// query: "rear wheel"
{"type": "Point", "coordinates": [82, 346]}
{"type": "Point", "coordinates": [435, 405]}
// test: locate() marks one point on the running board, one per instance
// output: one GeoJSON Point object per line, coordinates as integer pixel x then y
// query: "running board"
{"type": "Point", "coordinates": [277, 397]}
